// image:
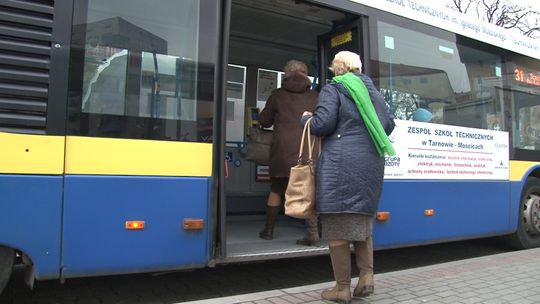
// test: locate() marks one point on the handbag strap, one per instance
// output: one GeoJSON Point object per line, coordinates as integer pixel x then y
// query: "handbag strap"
{"type": "Point", "coordinates": [302, 141]}
{"type": "Point", "coordinates": [307, 130]}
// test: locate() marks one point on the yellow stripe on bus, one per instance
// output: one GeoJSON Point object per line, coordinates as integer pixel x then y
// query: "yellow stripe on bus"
{"type": "Point", "coordinates": [31, 154]}
{"type": "Point", "coordinates": [111, 156]}
{"type": "Point", "coordinates": [518, 169]}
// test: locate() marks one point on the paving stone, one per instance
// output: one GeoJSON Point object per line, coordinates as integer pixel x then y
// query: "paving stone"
{"type": "Point", "coordinates": [498, 279]}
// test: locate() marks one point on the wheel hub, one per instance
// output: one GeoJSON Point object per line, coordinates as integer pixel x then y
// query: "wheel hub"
{"type": "Point", "coordinates": [531, 214]}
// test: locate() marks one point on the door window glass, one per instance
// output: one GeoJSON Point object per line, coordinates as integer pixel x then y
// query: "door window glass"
{"type": "Point", "coordinates": [138, 72]}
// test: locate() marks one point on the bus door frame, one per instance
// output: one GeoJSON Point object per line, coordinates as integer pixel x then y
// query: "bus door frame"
{"type": "Point", "coordinates": [361, 37]}
{"type": "Point", "coordinates": [219, 211]}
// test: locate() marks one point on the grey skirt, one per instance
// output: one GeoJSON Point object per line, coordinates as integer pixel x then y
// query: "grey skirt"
{"type": "Point", "coordinates": [345, 226]}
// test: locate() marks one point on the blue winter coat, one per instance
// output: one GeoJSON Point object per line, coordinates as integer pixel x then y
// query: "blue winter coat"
{"type": "Point", "coordinates": [350, 172]}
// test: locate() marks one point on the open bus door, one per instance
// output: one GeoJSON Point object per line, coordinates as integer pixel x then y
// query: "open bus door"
{"type": "Point", "coordinates": [256, 54]}
{"type": "Point", "coordinates": [351, 37]}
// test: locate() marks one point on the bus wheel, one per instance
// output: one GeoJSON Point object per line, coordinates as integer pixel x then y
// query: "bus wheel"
{"type": "Point", "coordinates": [528, 232]}
{"type": "Point", "coordinates": [7, 255]}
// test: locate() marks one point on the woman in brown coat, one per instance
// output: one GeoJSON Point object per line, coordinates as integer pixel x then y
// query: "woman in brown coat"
{"type": "Point", "coordinates": [282, 110]}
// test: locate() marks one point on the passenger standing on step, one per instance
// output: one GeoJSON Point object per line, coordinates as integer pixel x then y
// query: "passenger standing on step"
{"type": "Point", "coordinates": [282, 110]}
{"type": "Point", "coordinates": [352, 117]}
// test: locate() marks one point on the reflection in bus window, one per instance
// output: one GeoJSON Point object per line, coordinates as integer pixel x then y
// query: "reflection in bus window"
{"type": "Point", "coordinates": [141, 75]}
{"type": "Point", "coordinates": [430, 79]}
{"type": "Point", "coordinates": [104, 83]}
{"type": "Point", "coordinates": [167, 87]}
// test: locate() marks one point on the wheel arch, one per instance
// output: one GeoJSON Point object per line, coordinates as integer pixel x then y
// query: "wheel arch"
{"type": "Point", "coordinates": [518, 177]}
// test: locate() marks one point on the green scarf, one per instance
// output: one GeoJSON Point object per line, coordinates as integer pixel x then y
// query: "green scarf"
{"type": "Point", "coordinates": [357, 89]}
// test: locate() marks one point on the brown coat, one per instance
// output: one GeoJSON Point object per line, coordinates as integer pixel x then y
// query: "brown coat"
{"type": "Point", "coordinates": [283, 110]}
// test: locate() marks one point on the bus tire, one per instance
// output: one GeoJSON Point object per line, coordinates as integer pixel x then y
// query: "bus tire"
{"type": "Point", "coordinates": [7, 256]}
{"type": "Point", "coordinates": [527, 234]}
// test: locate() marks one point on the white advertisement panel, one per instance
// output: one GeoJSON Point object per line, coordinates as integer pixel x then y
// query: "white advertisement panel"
{"type": "Point", "coordinates": [434, 13]}
{"type": "Point", "coordinates": [434, 151]}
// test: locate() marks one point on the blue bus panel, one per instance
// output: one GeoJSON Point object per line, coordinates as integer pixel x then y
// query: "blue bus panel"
{"type": "Point", "coordinates": [30, 219]}
{"type": "Point", "coordinates": [96, 208]}
{"type": "Point", "coordinates": [462, 210]}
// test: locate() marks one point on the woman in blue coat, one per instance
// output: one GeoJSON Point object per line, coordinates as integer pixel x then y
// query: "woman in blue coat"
{"type": "Point", "coordinates": [352, 117]}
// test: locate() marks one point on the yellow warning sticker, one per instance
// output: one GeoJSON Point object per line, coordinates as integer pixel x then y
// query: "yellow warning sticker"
{"type": "Point", "coordinates": [341, 39]}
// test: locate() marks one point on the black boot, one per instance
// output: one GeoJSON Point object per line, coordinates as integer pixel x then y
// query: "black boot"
{"type": "Point", "coordinates": [312, 233]}
{"type": "Point", "coordinates": [271, 216]}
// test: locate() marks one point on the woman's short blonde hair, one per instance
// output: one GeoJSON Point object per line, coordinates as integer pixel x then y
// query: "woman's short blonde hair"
{"type": "Point", "coordinates": [346, 61]}
{"type": "Point", "coordinates": [293, 66]}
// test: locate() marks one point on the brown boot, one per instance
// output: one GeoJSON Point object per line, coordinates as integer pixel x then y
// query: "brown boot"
{"type": "Point", "coordinates": [312, 233]}
{"type": "Point", "coordinates": [271, 216]}
{"type": "Point", "coordinates": [341, 264]}
{"type": "Point", "coordinates": [364, 261]}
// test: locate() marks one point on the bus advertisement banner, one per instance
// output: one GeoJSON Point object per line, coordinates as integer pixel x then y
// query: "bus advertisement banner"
{"type": "Point", "coordinates": [434, 13]}
{"type": "Point", "coordinates": [435, 151]}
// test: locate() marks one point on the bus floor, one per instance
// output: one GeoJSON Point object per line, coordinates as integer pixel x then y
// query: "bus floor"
{"type": "Point", "coordinates": [243, 242]}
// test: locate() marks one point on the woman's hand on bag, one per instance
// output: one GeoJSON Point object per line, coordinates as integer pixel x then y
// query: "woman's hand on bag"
{"type": "Point", "coordinates": [307, 113]}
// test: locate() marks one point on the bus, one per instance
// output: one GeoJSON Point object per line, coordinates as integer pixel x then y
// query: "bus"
{"type": "Point", "coordinates": [123, 128]}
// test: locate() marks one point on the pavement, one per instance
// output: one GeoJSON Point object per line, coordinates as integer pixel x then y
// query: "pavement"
{"type": "Point", "coordinates": [512, 277]}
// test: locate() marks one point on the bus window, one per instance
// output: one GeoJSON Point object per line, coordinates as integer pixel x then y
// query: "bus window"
{"type": "Point", "coordinates": [140, 74]}
{"type": "Point", "coordinates": [529, 131]}
{"type": "Point", "coordinates": [433, 78]}
{"type": "Point", "coordinates": [524, 95]}
{"type": "Point", "coordinates": [236, 103]}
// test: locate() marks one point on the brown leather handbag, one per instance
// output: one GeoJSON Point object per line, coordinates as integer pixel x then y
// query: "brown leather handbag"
{"type": "Point", "coordinates": [258, 146]}
{"type": "Point", "coordinates": [300, 193]}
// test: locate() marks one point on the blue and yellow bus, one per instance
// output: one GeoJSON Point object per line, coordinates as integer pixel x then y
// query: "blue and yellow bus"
{"type": "Point", "coordinates": [123, 127]}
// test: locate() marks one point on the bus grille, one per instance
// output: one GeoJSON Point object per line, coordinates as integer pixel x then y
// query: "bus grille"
{"type": "Point", "coordinates": [25, 53]}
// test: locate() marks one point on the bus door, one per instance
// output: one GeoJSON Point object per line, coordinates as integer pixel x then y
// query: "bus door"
{"type": "Point", "coordinates": [351, 37]}
{"type": "Point", "coordinates": [139, 146]}
{"type": "Point", "coordinates": [261, 42]}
